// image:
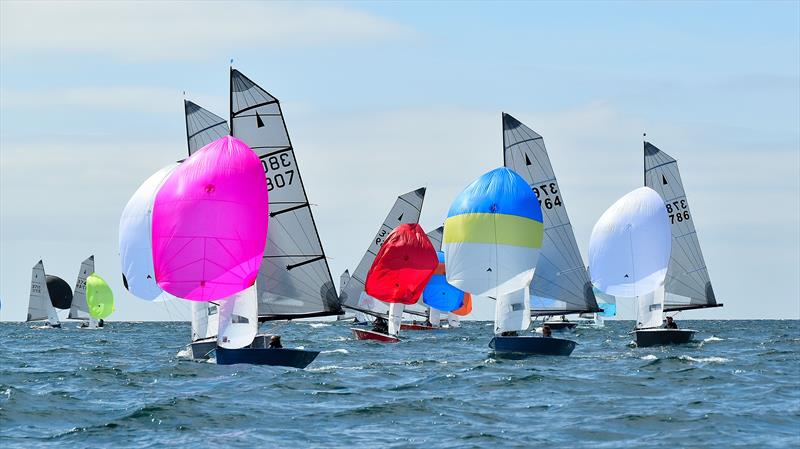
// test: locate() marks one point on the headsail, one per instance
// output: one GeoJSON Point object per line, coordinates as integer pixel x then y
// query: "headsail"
{"type": "Point", "coordinates": [295, 280]}
{"type": "Point", "coordinates": [406, 209]}
{"type": "Point", "coordinates": [560, 284]}
{"type": "Point", "coordinates": [202, 126]}
{"type": "Point", "coordinates": [79, 308]}
{"type": "Point", "coordinates": [687, 284]}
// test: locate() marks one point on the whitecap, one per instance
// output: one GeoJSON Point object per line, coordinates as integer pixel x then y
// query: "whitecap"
{"type": "Point", "coordinates": [341, 351]}
{"type": "Point", "coordinates": [705, 359]}
{"type": "Point", "coordinates": [317, 325]}
{"type": "Point", "coordinates": [713, 338]}
{"type": "Point", "coordinates": [649, 357]}
{"type": "Point", "coordinates": [184, 353]}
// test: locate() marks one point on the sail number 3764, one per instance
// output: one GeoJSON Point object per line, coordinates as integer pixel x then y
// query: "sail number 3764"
{"type": "Point", "coordinates": [550, 193]}
{"type": "Point", "coordinates": [276, 164]}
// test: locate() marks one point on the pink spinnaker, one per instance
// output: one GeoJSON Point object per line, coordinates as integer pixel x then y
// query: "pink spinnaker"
{"type": "Point", "coordinates": [210, 223]}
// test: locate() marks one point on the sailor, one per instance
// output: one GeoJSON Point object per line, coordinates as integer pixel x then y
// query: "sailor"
{"type": "Point", "coordinates": [275, 342]}
{"type": "Point", "coordinates": [427, 322]}
{"type": "Point", "coordinates": [670, 324]}
{"type": "Point", "coordinates": [381, 325]}
{"type": "Point", "coordinates": [509, 334]}
{"type": "Point", "coordinates": [101, 323]}
{"type": "Point", "coordinates": [563, 319]}
{"type": "Point", "coordinates": [546, 332]}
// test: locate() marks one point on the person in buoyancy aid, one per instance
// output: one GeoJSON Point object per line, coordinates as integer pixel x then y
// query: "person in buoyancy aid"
{"type": "Point", "coordinates": [381, 325]}
{"type": "Point", "coordinates": [670, 324]}
{"type": "Point", "coordinates": [275, 342]}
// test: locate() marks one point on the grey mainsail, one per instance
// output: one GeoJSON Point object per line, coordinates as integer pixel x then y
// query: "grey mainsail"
{"type": "Point", "coordinates": [295, 280]}
{"type": "Point", "coordinates": [80, 309]}
{"type": "Point", "coordinates": [406, 209]}
{"type": "Point", "coordinates": [39, 306]}
{"type": "Point", "coordinates": [202, 126]}
{"type": "Point", "coordinates": [687, 283]}
{"type": "Point", "coordinates": [560, 283]}
{"type": "Point", "coordinates": [436, 236]}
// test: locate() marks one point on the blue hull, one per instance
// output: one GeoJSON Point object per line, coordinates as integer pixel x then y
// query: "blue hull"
{"type": "Point", "coordinates": [294, 358]}
{"type": "Point", "coordinates": [522, 346]}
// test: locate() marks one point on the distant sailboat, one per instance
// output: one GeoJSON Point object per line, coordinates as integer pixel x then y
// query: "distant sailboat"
{"type": "Point", "coordinates": [687, 285]}
{"type": "Point", "coordinates": [406, 209]}
{"type": "Point", "coordinates": [560, 285]}
{"type": "Point", "coordinates": [440, 297]}
{"type": "Point", "coordinates": [80, 308]}
{"type": "Point", "coordinates": [47, 294]}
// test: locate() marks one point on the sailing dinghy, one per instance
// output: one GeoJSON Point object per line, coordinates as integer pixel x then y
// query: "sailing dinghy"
{"type": "Point", "coordinates": [629, 251]}
{"type": "Point", "coordinates": [80, 308]}
{"type": "Point", "coordinates": [48, 293]}
{"type": "Point", "coordinates": [561, 284]}
{"type": "Point", "coordinates": [406, 209]}
{"type": "Point", "coordinates": [687, 285]}
{"type": "Point", "coordinates": [294, 280]}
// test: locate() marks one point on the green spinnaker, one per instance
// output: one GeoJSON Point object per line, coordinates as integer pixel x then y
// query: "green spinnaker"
{"type": "Point", "coordinates": [99, 297]}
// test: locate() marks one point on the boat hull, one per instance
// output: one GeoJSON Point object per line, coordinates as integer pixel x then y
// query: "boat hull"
{"type": "Point", "coordinates": [662, 337]}
{"type": "Point", "coordinates": [561, 325]}
{"type": "Point", "coordinates": [417, 327]}
{"type": "Point", "coordinates": [365, 334]}
{"type": "Point", "coordinates": [293, 358]}
{"type": "Point", "coordinates": [532, 345]}
{"type": "Point", "coordinates": [201, 349]}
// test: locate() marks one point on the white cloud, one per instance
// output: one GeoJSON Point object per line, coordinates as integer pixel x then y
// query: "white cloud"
{"type": "Point", "coordinates": [159, 31]}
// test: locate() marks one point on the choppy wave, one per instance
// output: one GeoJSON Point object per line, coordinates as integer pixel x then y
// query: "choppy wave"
{"type": "Point", "coordinates": [126, 385]}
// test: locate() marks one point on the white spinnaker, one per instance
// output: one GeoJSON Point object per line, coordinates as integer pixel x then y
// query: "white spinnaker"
{"type": "Point", "coordinates": [395, 317]}
{"type": "Point", "coordinates": [500, 275]}
{"type": "Point", "coordinates": [135, 238]}
{"type": "Point", "coordinates": [79, 309]}
{"type": "Point", "coordinates": [561, 283]}
{"type": "Point", "coordinates": [650, 309]}
{"type": "Point", "coordinates": [629, 248]}
{"type": "Point", "coordinates": [205, 320]}
{"type": "Point", "coordinates": [238, 319]}
{"type": "Point", "coordinates": [406, 209]}
{"type": "Point", "coordinates": [512, 311]}
{"type": "Point", "coordinates": [39, 305]}
{"type": "Point", "coordinates": [687, 282]}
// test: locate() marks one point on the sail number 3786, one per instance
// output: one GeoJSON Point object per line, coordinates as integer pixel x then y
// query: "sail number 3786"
{"type": "Point", "coordinates": [276, 163]}
{"type": "Point", "coordinates": [550, 193]}
{"type": "Point", "coordinates": [678, 211]}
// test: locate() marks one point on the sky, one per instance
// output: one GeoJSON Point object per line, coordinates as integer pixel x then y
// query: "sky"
{"type": "Point", "coordinates": [382, 98]}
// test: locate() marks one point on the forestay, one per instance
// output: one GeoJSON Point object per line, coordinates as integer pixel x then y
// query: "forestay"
{"type": "Point", "coordinates": [79, 308]}
{"type": "Point", "coordinates": [202, 126]}
{"type": "Point", "coordinates": [406, 209]}
{"type": "Point", "coordinates": [560, 284]}
{"type": "Point", "coordinates": [687, 283]}
{"type": "Point", "coordinates": [295, 280]}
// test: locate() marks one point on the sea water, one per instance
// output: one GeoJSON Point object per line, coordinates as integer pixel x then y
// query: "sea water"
{"type": "Point", "coordinates": [737, 385]}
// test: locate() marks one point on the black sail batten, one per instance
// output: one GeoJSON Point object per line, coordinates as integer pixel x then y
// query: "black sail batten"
{"type": "Point", "coordinates": [406, 209]}
{"type": "Point", "coordinates": [687, 284]}
{"type": "Point", "coordinates": [202, 126]}
{"type": "Point", "coordinates": [561, 284]}
{"type": "Point", "coordinates": [294, 280]}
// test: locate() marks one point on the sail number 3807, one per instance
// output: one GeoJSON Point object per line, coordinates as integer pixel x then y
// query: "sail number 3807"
{"type": "Point", "coordinates": [276, 164]}
{"type": "Point", "coordinates": [550, 193]}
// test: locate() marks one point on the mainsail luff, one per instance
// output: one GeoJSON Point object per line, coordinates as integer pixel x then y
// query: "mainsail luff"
{"type": "Point", "coordinates": [687, 284]}
{"type": "Point", "coordinates": [560, 274]}
{"type": "Point", "coordinates": [79, 309]}
{"type": "Point", "coordinates": [295, 280]}
{"type": "Point", "coordinates": [406, 209]}
{"type": "Point", "coordinates": [202, 126]}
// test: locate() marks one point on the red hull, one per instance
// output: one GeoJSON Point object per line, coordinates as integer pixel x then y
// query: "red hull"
{"type": "Point", "coordinates": [364, 334]}
{"type": "Point", "coordinates": [416, 327]}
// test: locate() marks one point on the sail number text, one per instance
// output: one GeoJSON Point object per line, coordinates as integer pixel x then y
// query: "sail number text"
{"type": "Point", "coordinates": [276, 163]}
{"type": "Point", "coordinates": [678, 211]}
{"type": "Point", "coordinates": [550, 193]}
{"type": "Point", "coordinates": [379, 238]}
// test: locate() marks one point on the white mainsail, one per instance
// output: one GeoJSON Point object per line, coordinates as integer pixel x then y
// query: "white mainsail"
{"type": "Point", "coordinates": [687, 284]}
{"type": "Point", "coordinates": [560, 284]}
{"type": "Point", "coordinates": [294, 280]}
{"type": "Point", "coordinates": [79, 310]}
{"type": "Point", "coordinates": [202, 126]}
{"type": "Point", "coordinates": [39, 305]}
{"type": "Point", "coordinates": [406, 209]}
{"type": "Point", "coordinates": [205, 320]}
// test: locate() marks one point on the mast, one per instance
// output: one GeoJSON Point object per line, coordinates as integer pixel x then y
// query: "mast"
{"type": "Point", "coordinates": [687, 283]}
{"type": "Point", "coordinates": [560, 283]}
{"type": "Point", "coordinates": [294, 280]}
